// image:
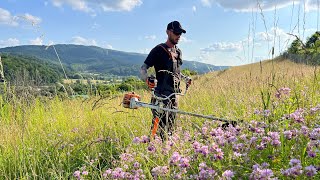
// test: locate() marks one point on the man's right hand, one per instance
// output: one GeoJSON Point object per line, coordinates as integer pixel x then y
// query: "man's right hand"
{"type": "Point", "coordinates": [151, 82]}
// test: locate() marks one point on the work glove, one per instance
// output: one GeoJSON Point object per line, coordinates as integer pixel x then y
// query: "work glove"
{"type": "Point", "coordinates": [151, 82]}
{"type": "Point", "coordinates": [188, 82]}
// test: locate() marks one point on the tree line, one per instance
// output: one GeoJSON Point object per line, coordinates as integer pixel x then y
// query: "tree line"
{"type": "Point", "coordinates": [18, 69]}
{"type": "Point", "coordinates": [305, 52]}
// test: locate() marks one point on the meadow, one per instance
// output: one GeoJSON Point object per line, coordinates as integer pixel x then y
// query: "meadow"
{"type": "Point", "coordinates": [276, 103]}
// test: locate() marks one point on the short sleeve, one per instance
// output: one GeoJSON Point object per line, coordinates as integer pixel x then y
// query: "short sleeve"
{"type": "Point", "coordinates": [152, 57]}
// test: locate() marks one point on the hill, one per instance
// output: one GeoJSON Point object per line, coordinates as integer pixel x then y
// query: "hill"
{"type": "Point", "coordinates": [20, 69]}
{"type": "Point", "coordinates": [94, 59]}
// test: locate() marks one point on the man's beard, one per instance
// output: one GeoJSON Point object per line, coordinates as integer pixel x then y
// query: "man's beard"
{"type": "Point", "coordinates": [172, 41]}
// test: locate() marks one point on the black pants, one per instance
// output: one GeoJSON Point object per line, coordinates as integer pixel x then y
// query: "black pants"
{"type": "Point", "coordinates": [166, 119]}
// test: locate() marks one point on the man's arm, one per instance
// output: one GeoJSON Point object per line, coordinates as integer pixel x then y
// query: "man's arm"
{"type": "Point", "coordinates": [143, 72]}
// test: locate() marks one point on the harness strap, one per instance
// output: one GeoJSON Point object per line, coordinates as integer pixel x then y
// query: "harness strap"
{"type": "Point", "coordinates": [166, 50]}
{"type": "Point", "coordinates": [174, 68]}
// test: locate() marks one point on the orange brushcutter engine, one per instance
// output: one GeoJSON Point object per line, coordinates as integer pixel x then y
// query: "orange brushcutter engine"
{"type": "Point", "coordinates": [127, 98]}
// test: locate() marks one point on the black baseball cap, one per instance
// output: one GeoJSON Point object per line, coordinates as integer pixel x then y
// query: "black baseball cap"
{"type": "Point", "coordinates": [175, 26]}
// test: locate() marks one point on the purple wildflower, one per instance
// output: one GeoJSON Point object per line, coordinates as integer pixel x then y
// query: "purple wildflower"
{"type": "Point", "coordinates": [315, 109]}
{"type": "Point", "coordinates": [260, 173]}
{"type": "Point", "coordinates": [275, 137]}
{"type": "Point", "coordinates": [287, 135]}
{"type": "Point", "coordinates": [265, 139]}
{"type": "Point", "coordinates": [206, 174]}
{"type": "Point", "coordinates": [166, 149]}
{"type": "Point", "coordinates": [266, 113]}
{"type": "Point", "coordinates": [295, 170]}
{"type": "Point", "coordinates": [310, 171]}
{"type": "Point", "coordinates": [196, 145]}
{"type": "Point", "coordinates": [107, 173]}
{"type": "Point", "coordinates": [304, 130]}
{"type": "Point", "coordinates": [187, 136]}
{"type": "Point", "coordinates": [282, 91]}
{"type": "Point", "coordinates": [151, 148]}
{"type": "Point", "coordinates": [221, 140]}
{"type": "Point", "coordinates": [253, 140]}
{"type": "Point", "coordinates": [261, 146]}
{"type": "Point", "coordinates": [243, 137]}
{"type": "Point", "coordinates": [238, 147]}
{"type": "Point", "coordinates": [228, 174]}
{"type": "Point", "coordinates": [204, 130]}
{"type": "Point", "coordinates": [136, 165]}
{"type": "Point", "coordinates": [77, 174]}
{"type": "Point", "coordinates": [145, 139]}
{"type": "Point", "coordinates": [311, 154]}
{"type": "Point", "coordinates": [315, 134]}
{"type": "Point", "coordinates": [126, 157]}
{"type": "Point", "coordinates": [202, 165]}
{"type": "Point", "coordinates": [236, 154]}
{"type": "Point", "coordinates": [178, 176]}
{"type": "Point", "coordinates": [136, 140]}
{"type": "Point", "coordinates": [217, 132]}
{"type": "Point", "coordinates": [294, 162]}
{"type": "Point", "coordinates": [184, 162]}
{"type": "Point", "coordinates": [213, 147]}
{"type": "Point", "coordinates": [204, 150]}
{"type": "Point", "coordinates": [117, 173]}
{"type": "Point", "coordinates": [160, 171]}
{"type": "Point", "coordinates": [256, 111]}
{"type": "Point", "coordinates": [219, 154]}
{"type": "Point", "coordinates": [297, 115]}
{"type": "Point", "coordinates": [175, 158]}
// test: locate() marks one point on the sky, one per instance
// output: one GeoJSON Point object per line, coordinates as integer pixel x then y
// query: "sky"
{"type": "Point", "coordinates": [219, 32]}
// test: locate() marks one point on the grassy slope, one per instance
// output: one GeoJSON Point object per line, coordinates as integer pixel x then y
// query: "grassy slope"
{"type": "Point", "coordinates": [236, 92]}
{"type": "Point", "coordinates": [53, 138]}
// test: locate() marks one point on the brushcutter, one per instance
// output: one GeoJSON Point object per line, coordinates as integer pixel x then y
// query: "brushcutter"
{"type": "Point", "coordinates": [133, 101]}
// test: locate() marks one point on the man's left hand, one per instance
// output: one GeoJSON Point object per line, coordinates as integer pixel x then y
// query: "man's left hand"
{"type": "Point", "coordinates": [188, 82]}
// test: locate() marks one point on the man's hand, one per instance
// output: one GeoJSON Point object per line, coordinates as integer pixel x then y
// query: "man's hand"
{"type": "Point", "coordinates": [151, 82]}
{"type": "Point", "coordinates": [188, 82]}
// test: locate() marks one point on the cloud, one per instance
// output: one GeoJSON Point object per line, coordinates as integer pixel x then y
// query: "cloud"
{"type": "Point", "coordinates": [7, 19]}
{"type": "Point", "coordinates": [272, 34]}
{"type": "Point", "coordinates": [145, 51]}
{"type": "Point", "coordinates": [108, 46]}
{"type": "Point", "coordinates": [83, 41]}
{"type": "Point", "coordinates": [312, 5]}
{"type": "Point", "coordinates": [207, 3]}
{"type": "Point", "coordinates": [9, 42]}
{"type": "Point", "coordinates": [222, 47]}
{"type": "Point", "coordinates": [94, 5]}
{"type": "Point", "coordinates": [11, 20]}
{"type": "Point", "coordinates": [32, 19]}
{"type": "Point", "coordinates": [80, 5]}
{"type": "Point", "coordinates": [184, 39]}
{"type": "Point", "coordinates": [151, 37]}
{"type": "Point", "coordinates": [95, 26]}
{"type": "Point", "coordinates": [253, 5]}
{"type": "Point", "coordinates": [37, 41]}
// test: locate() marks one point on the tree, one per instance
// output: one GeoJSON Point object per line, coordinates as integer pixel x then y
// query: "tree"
{"type": "Point", "coordinates": [314, 40]}
{"type": "Point", "coordinates": [296, 47]}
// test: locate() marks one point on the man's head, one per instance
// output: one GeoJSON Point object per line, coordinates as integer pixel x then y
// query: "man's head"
{"type": "Point", "coordinates": [174, 31]}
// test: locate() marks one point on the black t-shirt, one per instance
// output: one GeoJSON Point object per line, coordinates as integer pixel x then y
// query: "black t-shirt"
{"type": "Point", "coordinates": [160, 58]}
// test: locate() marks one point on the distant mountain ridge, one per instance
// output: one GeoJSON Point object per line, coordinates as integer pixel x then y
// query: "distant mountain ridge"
{"type": "Point", "coordinates": [96, 59]}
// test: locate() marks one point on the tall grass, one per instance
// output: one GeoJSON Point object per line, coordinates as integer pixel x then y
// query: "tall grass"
{"type": "Point", "coordinates": [99, 139]}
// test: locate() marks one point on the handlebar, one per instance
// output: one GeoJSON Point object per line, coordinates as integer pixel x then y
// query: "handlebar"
{"type": "Point", "coordinates": [167, 97]}
{"type": "Point", "coordinates": [185, 78]}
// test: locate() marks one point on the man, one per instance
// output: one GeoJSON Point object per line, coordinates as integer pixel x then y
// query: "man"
{"type": "Point", "coordinates": [166, 60]}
